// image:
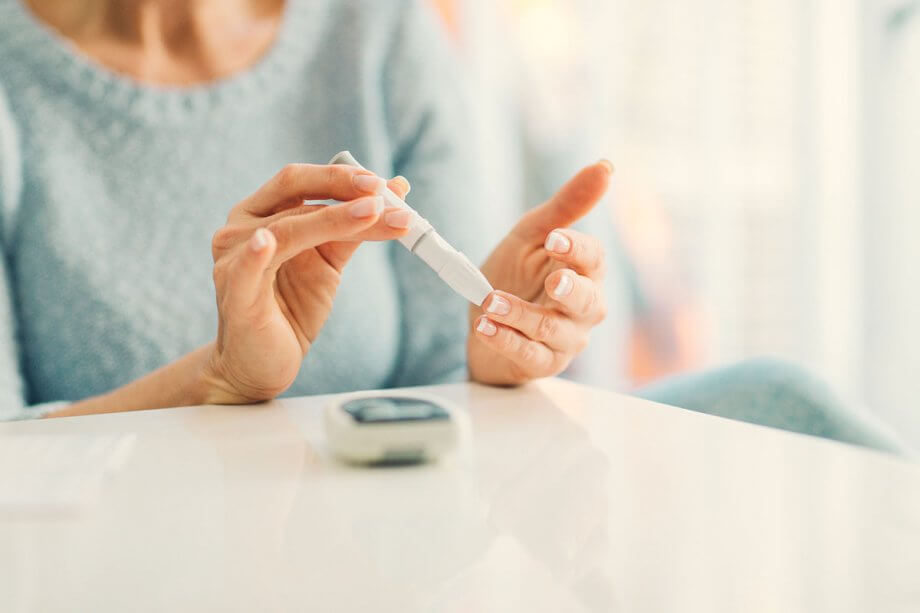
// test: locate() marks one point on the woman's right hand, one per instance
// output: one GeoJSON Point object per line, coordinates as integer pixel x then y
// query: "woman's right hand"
{"type": "Point", "coordinates": [277, 265]}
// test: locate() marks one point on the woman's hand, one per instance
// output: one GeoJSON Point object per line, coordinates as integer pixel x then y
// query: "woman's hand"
{"type": "Point", "coordinates": [549, 292]}
{"type": "Point", "coordinates": [277, 265]}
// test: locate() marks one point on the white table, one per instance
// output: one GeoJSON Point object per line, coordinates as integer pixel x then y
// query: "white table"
{"type": "Point", "coordinates": [566, 499]}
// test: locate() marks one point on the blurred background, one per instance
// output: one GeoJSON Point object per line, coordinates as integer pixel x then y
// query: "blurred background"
{"type": "Point", "coordinates": [767, 199]}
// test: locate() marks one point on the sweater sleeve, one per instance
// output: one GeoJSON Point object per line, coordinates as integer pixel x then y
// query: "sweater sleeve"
{"type": "Point", "coordinates": [429, 127]}
{"type": "Point", "coordinates": [13, 400]}
{"type": "Point", "coordinates": [11, 388]}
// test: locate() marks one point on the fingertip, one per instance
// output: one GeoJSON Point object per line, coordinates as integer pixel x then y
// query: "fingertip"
{"type": "Point", "coordinates": [397, 218]}
{"type": "Point", "coordinates": [368, 182]}
{"type": "Point", "coordinates": [497, 304]}
{"type": "Point", "coordinates": [593, 181]}
{"type": "Point", "coordinates": [573, 201]}
{"type": "Point", "coordinates": [261, 240]}
{"type": "Point", "coordinates": [560, 283]}
{"type": "Point", "coordinates": [400, 186]}
{"type": "Point", "coordinates": [557, 242]}
{"type": "Point", "coordinates": [485, 327]}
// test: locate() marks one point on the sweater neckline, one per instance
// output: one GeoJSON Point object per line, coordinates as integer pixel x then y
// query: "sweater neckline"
{"type": "Point", "coordinates": [60, 60]}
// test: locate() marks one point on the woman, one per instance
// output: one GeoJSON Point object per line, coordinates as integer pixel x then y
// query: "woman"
{"type": "Point", "coordinates": [131, 129]}
{"type": "Point", "coordinates": [135, 133]}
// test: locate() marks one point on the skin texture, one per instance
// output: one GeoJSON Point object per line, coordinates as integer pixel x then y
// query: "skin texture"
{"type": "Point", "coordinates": [277, 263]}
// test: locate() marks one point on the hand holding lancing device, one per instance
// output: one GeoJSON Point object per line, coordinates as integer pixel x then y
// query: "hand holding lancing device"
{"type": "Point", "coordinates": [549, 289]}
{"type": "Point", "coordinates": [277, 266]}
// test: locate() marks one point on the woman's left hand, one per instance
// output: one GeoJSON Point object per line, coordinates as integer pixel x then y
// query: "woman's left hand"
{"type": "Point", "coordinates": [549, 289]}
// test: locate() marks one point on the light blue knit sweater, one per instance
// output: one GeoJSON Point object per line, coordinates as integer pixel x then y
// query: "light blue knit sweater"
{"type": "Point", "coordinates": [110, 192]}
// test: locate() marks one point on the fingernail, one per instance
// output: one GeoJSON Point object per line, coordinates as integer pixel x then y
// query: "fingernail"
{"type": "Point", "coordinates": [608, 164]}
{"type": "Point", "coordinates": [398, 219]}
{"type": "Point", "coordinates": [405, 182]}
{"type": "Point", "coordinates": [365, 207]}
{"type": "Point", "coordinates": [558, 242]}
{"type": "Point", "coordinates": [498, 305]}
{"type": "Point", "coordinates": [259, 240]}
{"type": "Point", "coordinates": [369, 183]}
{"type": "Point", "coordinates": [486, 327]}
{"type": "Point", "coordinates": [564, 287]}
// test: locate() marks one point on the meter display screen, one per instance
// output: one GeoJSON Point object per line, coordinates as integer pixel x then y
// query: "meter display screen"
{"type": "Point", "coordinates": [393, 409]}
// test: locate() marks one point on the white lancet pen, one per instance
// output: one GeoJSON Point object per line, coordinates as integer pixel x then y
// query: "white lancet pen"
{"type": "Point", "coordinates": [423, 240]}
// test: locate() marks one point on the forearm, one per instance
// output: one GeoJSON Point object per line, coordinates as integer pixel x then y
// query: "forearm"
{"type": "Point", "coordinates": [185, 382]}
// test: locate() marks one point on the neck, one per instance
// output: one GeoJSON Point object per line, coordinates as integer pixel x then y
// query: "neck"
{"type": "Point", "coordinates": [167, 41]}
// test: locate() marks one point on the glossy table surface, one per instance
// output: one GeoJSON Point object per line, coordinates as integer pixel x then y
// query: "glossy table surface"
{"type": "Point", "coordinates": [563, 498]}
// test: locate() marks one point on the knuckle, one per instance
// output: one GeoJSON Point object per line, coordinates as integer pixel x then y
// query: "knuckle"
{"type": "Point", "coordinates": [528, 353]}
{"type": "Point", "coordinates": [333, 220]}
{"type": "Point", "coordinates": [516, 314]}
{"type": "Point", "coordinates": [577, 254]}
{"type": "Point", "coordinates": [281, 232]}
{"type": "Point", "coordinates": [600, 257]}
{"type": "Point", "coordinates": [592, 303]}
{"type": "Point", "coordinates": [334, 174]}
{"type": "Point", "coordinates": [547, 327]}
{"type": "Point", "coordinates": [287, 176]}
{"type": "Point", "coordinates": [507, 342]}
{"type": "Point", "coordinates": [219, 272]}
{"type": "Point", "coordinates": [222, 240]}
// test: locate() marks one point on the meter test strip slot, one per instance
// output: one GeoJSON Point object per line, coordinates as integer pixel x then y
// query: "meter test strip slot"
{"type": "Point", "coordinates": [454, 268]}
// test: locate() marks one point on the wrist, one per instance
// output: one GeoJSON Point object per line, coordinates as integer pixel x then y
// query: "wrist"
{"type": "Point", "coordinates": [188, 381]}
{"type": "Point", "coordinates": [213, 386]}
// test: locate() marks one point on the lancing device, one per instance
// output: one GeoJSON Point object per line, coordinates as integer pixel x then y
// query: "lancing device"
{"type": "Point", "coordinates": [423, 240]}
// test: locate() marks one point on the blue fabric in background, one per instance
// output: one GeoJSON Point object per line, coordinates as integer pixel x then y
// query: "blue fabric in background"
{"type": "Point", "coordinates": [778, 394]}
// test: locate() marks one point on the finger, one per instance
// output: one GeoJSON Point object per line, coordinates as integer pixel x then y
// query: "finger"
{"type": "Point", "coordinates": [399, 186]}
{"type": "Point", "coordinates": [532, 359]}
{"type": "Point", "coordinates": [580, 251]}
{"type": "Point", "coordinates": [297, 182]}
{"type": "Point", "coordinates": [535, 321]}
{"type": "Point", "coordinates": [296, 233]}
{"type": "Point", "coordinates": [576, 295]}
{"type": "Point", "coordinates": [240, 277]}
{"type": "Point", "coordinates": [571, 203]}
{"type": "Point", "coordinates": [392, 223]}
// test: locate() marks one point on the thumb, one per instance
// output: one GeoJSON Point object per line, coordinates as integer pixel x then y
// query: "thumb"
{"type": "Point", "coordinates": [569, 204]}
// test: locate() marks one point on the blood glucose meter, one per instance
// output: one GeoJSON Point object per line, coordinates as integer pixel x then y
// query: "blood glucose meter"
{"type": "Point", "coordinates": [391, 428]}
